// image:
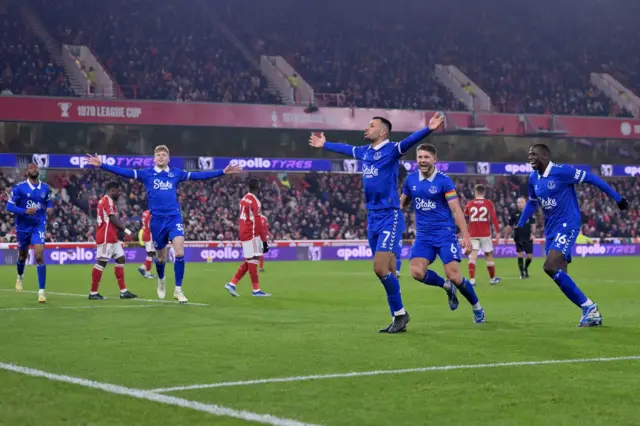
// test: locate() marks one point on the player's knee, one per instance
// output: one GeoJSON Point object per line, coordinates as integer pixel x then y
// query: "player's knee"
{"type": "Point", "coordinates": [550, 267]}
{"type": "Point", "coordinates": [120, 260]}
{"type": "Point", "coordinates": [454, 276]}
{"type": "Point", "coordinates": [179, 252]}
{"type": "Point", "coordinates": [380, 269]}
{"type": "Point", "coordinates": [39, 258]}
{"type": "Point", "coordinates": [417, 272]}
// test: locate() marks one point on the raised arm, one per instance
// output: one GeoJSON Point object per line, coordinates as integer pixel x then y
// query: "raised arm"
{"type": "Point", "coordinates": [406, 144]}
{"type": "Point", "coordinates": [571, 175]}
{"type": "Point", "coordinates": [229, 170]}
{"type": "Point", "coordinates": [95, 161]}
{"type": "Point", "coordinates": [340, 148]}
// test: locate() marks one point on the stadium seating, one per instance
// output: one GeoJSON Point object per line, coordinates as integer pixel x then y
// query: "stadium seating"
{"type": "Point", "coordinates": [25, 65]}
{"type": "Point", "coordinates": [526, 58]}
{"type": "Point", "coordinates": [309, 206]}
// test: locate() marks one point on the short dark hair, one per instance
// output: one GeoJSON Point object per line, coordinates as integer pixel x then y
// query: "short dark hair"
{"type": "Point", "coordinates": [480, 189]}
{"type": "Point", "coordinates": [254, 184]}
{"type": "Point", "coordinates": [385, 122]}
{"type": "Point", "coordinates": [112, 185]}
{"type": "Point", "coordinates": [542, 147]}
{"type": "Point", "coordinates": [427, 147]}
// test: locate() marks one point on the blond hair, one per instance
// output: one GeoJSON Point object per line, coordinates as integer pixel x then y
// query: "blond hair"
{"type": "Point", "coordinates": [160, 148]}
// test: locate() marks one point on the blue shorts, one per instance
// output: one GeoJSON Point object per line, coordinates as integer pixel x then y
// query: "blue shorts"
{"type": "Point", "coordinates": [448, 251]}
{"type": "Point", "coordinates": [164, 229]}
{"type": "Point", "coordinates": [31, 236]}
{"type": "Point", "coordinates": [384, 230]}
{"type": "Point", "coordinates": [561, 240]}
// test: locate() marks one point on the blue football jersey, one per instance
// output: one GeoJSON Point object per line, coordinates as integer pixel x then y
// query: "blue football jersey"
{"type": "Point", "coordinates": [25, 196]}
{"type": "Point", "coordinates": [430, 198]}
{"type": "Point", "coordinates": [555, 192]}
{"type": "Point", "coordinates": [380, 174]}
{"type": "Point", "coordinates": [162, 189]}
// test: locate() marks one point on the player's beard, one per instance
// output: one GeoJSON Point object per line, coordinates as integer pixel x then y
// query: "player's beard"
{"type": "Point", "coordinates": [33, 175]}
{"type": "Point", "coordinates": [429, 172]}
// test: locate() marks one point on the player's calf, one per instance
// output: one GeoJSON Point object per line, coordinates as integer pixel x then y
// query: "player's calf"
{"type": "Point", "coordinates": [452, 270]}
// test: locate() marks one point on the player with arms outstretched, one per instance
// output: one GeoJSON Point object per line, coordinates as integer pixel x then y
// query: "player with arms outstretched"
{"type": "Point", "coordinates": [161, 183]}
{"type": "Point", "coordinates": [482, 213]}
{"type": "Point", "coordinates": [108, 244]}
{"type": "Point", "coordinates": [31, 202]}
{"type": "Point", "coordinates": [145, 268]}
{"type": "Point", "coordinates": [438, 212]}
{"type": "Point", "coordinates": [553, 187]}
{"type": "Point", "coordinates": [523, 237]}
{"type": "Point", "coordinates": [253, 238]}
{"type": "Point", "coordinates": [380, 160]}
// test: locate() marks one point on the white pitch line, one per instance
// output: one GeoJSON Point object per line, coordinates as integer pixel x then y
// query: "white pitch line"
{"type": "Point", "coordinates": [106, 297]}
{"type": "Point", "coordinates": [88, 307]}
{"type": "Point", "coordinates": [214, 409]}
{"type": "Point", "coordinates": [383, 372]}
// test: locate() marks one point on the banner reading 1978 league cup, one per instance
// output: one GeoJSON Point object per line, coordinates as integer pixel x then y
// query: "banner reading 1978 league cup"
{"type": "Point", "coordinates": [83, 255]}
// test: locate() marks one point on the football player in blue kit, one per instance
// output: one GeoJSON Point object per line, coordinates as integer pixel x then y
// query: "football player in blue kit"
{"type": "Point", "coordinates": [438, 211]}
{"type": "Point", "coordinates": [161, 183]}
{"type": "Point", "coordinates": [380, 161]}
{"type": "Point", "coordinates": [553, 187]}
{"type": "Point", "coordinates": [31, 202]}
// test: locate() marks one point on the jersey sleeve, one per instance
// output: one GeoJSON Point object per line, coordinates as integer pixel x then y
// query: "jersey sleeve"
{"type": "Point", "coordinates": [466, 209]}
{"type": "Point", "coordinates": [358, 151]}
{"type": "Point", "coordinates": [532, 191]}
{"type": "Point", "coordinates": [569, 175]}
{"type": "Point", "coordinates": [406, 189]}
{"type": "Point", "coordinates": [449, 188]}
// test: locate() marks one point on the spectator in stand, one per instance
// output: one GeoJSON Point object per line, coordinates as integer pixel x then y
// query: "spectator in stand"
{"type": "Point", "coordinates": [26, 68]}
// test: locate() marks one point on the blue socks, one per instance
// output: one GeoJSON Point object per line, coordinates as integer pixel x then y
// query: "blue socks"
{"type": "Point", "coordinates": [398, 265]}
{"type": "Point", "coordinates": [42, 276]}
{"type": "Point", "coordinates": [178, 268]}
{"type": "Point", "coordinates": [21, 268]}
{"type": "Point", "coordinates": [432, 278]}
{"type": "Point", "coordinates": [160, 269]}
{"type": "Point", "coordinates": [392, 287]}
{"type": "Point", "coordinates": [467, 290]}
{"type": "Point", "coordinates": [569, 288]}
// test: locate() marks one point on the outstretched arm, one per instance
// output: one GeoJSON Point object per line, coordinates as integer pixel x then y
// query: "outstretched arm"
{"type": "Point", "coordinates": [341, 148]}
{"type": "Point", "coordinates": [95, 161]}
{"type": "Point", "coordinates": [229, 170]}
{"type": "Point", "coordinates": [602, 185]}
{"type": "Point", "coordinates": [406, 144]}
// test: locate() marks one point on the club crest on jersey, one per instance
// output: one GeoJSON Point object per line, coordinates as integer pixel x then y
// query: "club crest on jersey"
{"type": "Point", "coordinates": [425, 205]}
{"type": "Point", "coordinates": [161, 185]}
{"type": "Point", "coordinates": [170, 174]}
{"type": "Point", "coordinates": [548, 203]}
{"type": "Point", "coordinates": [433, 190]}
{"type": "Point", "coordinates": [377, 156]}
{"type": "Point", "coordinates": [551, 184]}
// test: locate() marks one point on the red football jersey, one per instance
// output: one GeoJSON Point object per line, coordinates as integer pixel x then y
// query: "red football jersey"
{"type": "Point", "coordinates": [106, 232]}
{"type": "Point", "coordinates": [481, 213]}
{"type": "Point", "coordinates": [250, 223]}
{"type": "Point", "coordinates": [146, 231]}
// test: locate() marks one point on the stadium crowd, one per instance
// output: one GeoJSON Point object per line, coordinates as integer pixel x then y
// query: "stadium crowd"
{"type": "Point", "coordinates": [298, 206]}
{"type": "Point", "coordinates": [526, 58]}
{"type": "Point", "coordinates": [26, 67]}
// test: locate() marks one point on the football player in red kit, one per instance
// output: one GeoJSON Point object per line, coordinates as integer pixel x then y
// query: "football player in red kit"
{"type": "Point", "coordinates": [145, 268]}
{"type": "Point", "coordinates": [482, 213]}
{"type": "Point", "coordinates": [108, 244]}
{"type": "Point", "coordinates": [253, 238]}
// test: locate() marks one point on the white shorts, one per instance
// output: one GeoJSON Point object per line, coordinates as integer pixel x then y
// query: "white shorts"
{"type": "Point", "coordinates": [484, 244]}
{"type": "Point", "coordinates": [252, 248]}
{"type": "Point", "coordinates": [110, 251]}
{"type": "Point", "coordinates": [148, 246]}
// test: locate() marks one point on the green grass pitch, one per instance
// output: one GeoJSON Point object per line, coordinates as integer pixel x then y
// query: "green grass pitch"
{"type": "Point", "coordinates": [322, 319]}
